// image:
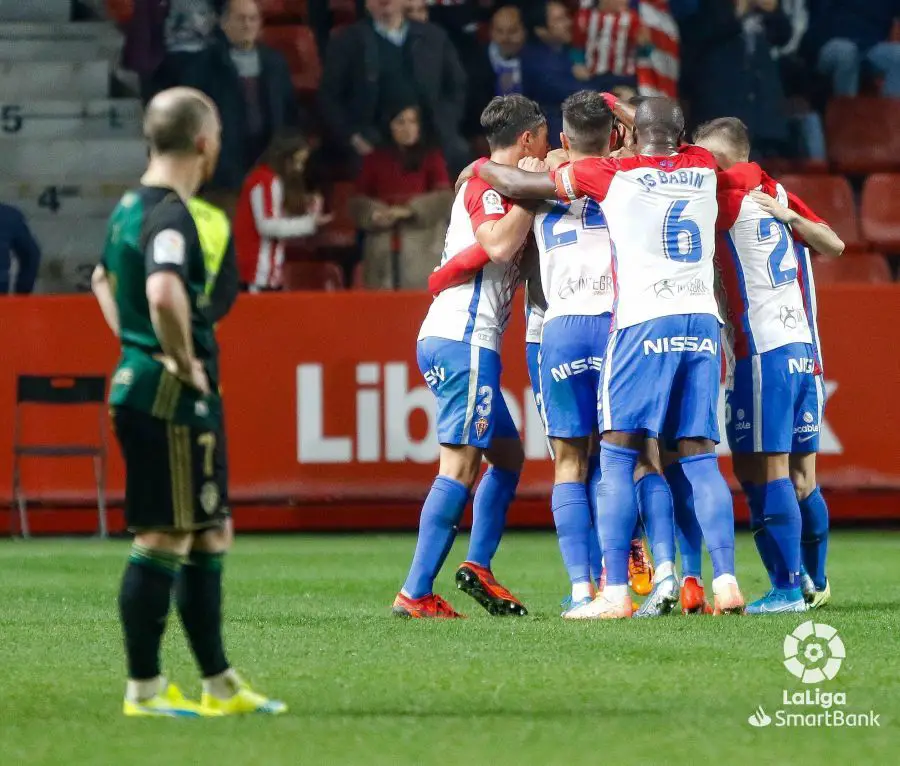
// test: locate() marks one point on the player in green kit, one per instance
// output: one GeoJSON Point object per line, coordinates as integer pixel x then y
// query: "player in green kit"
{"type": "Point", "coordinates": [166, 409]}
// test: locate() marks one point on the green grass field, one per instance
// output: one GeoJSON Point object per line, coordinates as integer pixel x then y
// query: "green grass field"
{"type": "Point", "coordinates": [308, 621]}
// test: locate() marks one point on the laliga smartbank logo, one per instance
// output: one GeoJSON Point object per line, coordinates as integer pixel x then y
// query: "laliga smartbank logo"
{"type": "Point", "coordinates": [813, 653]}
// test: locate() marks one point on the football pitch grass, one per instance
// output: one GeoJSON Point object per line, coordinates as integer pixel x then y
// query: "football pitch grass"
{"type": "Point", "coordinates": [308, 622]}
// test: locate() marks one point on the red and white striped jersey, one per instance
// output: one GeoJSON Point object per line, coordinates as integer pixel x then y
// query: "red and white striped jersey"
{"type": "Point", "coordinates": [260, 228]}
{"type": "Point", "coordinates": [477, 311]}
{"type": "Point", "coordinates": [658, 73]}
{"type": "Point", "coordinates": [609, 39]}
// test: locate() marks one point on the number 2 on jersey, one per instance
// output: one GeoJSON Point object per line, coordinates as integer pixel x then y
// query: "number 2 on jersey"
{"type": "Point", "coordinates": [772, 227]}
{"type": "Point", "coordinates": [592, 218]}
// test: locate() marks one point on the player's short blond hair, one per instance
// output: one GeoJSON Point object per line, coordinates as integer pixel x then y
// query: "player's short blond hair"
{"type": "Point", "coordinates": [730, 130]}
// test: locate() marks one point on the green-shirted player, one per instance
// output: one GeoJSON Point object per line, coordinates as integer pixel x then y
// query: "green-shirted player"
{"type": "Point", "coordinates": [152, 289]}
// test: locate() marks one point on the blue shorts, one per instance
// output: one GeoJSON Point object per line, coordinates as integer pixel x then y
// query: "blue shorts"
{"type": "Point", "coordinates": [465, 379]}
{"type": "Point", "coordinates": [572, 349]}
{"type": "Point", "coordinates": [662, 377]}
{"type": "Point", "coordinates": [775, 403]}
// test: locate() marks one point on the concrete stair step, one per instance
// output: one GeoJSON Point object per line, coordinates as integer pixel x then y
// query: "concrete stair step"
{"type": "Point", "coordinates": [72, 160]}
{"type": "Point", "coordinates": [73, 30]}
{"type": "Point", "coordinates": [39, 10]}
{"type": "Point", "coordinates": [50, 198]}
{"type": "Point", "coordinates": [85, 80]}
{"type": "Point", "coordinates": [59, 50]}
{"type": "Point", "coordinates": [102, 118]}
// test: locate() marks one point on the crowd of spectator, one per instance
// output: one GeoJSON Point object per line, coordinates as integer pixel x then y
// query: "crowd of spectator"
{"type": "Point", "coordinates": [403, 86]}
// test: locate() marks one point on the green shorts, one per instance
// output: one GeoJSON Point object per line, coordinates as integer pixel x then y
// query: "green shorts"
{"type": "Point", "coordinates": [176, 476]}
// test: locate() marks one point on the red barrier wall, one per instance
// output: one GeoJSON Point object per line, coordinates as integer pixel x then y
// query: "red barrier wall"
{"type": "Point", "coordinates": [324, 402]}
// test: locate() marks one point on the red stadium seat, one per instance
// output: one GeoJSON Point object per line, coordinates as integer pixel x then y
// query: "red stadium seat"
{"type": "Point", "coordinates": [881, 211]}
{"type": "Point", "coordinates": [832, 198]}
{"type": "Point", "coordinates": [283, 11]}
{"type": "Point", "coordinates": [298, 45]}
{"type": "Point", "coordinates": [313, 275]}
{"type": "Point", "coordinates": [865, 268]}
{"type": "Point", "coordinates": [120, 11]}
{"type": "Point", "coordinates": [863, 134]}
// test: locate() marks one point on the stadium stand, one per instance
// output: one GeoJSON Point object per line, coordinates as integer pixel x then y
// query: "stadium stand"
{"type": "Point", "coordinates": [881, 212]}
{"type": "Point", "coordinates": [863, 134]}
{"type": "Point", "coordinates": [832, 198]}
{"type": "Point", "coordinates": [313, 275]}
{"type": "Point", "coordinates": [68, 149]}
{"type": "Point", "coordinates": [298, 45]}
{"type": "Point", "coordinates": [864, 268]}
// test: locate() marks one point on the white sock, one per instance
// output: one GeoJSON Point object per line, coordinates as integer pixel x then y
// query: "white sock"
{"type": "Point", "coordinates": [223, 686]}
{"type": "Point", "coordinates": [664, 570]}
{"type": "Point", "coordinates": [138, 691]}
{"type": "Point", "coordinates": [615, 593]}
{"type": "Point", "coordinates": [581, 590]}
{"type": "Point", "coordinates": [722, 581]}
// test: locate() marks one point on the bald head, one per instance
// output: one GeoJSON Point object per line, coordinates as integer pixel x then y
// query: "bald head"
{"type": "Point", "coordinates": [176, 118]}
{"type": "Point", "coordinates": [659, 120]}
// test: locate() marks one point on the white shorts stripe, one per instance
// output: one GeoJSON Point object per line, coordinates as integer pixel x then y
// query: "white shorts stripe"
{"type": "Point", "coordinates": [820, 400]}
{"type": "Point", "coordinates": [756, 372]}
{"type": "Point", "coordinates": [607, 374]}
{"type": "Point", "coordinates": [473, 392]}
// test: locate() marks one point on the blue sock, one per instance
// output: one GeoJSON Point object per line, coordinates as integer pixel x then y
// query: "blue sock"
{"type": "Point", "coordinates": [781, 514]}
{"type": "Point", "coordinates": [814, 537]}
{"type": "Point", "coordinates": [492, 498]}
{"type": "Point", "coordinates": [593, 482]}
{"type": "Point", "coordinates": [638, 532]}
{"type": "Point", "coordinates": [655, 504]}
{"type": "Point", "coordinates": [572, 516]}
{"type": "Point", "coordinates": [617, 509]}
{"type": "Point", "coordinates": [690, 538]}
{"type": "Point", "coordinates": [714, 509]}
{"type": "Point", "coordinates": [764, 544]}
{"type": "Point", "coordinates": [438, 524]}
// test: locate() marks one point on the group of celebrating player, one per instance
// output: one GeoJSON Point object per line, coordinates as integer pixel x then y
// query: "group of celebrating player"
{"type": "Point", "coordinates": [635, 247]}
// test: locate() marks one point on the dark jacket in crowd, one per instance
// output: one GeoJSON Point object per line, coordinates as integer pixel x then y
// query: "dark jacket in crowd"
{"type": "Point", "coordinates": [738, 77]}
{"type": "Point", "coordinates": [547, 78]}
{"type": "Point", "coordinates": [352, 92]}
{"type": "Point", "coordinates": [866, 23]}
{"type": "Point", "coordinates": [214, 73]}
{"type": "Point", "coordinates": [17, 241]}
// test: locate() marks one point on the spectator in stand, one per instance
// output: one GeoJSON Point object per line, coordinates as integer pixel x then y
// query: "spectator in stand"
{"type": "Point", "coordinates": [547, 64]}
{"type": "Point", "coordinates": [795, 76]}
{"type": "Point", "coordinates": [260, 223]}
{"type": "Point", "coordinates": [847, 35]}
{"type": "Point", "coordinates": [188, 30]}
{"type": "Point", "coordinates": [417, 10]}
{"type": "Point", "coordinates": [731, 42]}
{"type": "Point", "coordinates": [250, 84]}
{"type": "Point", "coordinates": [495, 70]}
{"type": "Point", "coordinates": [387, 59]}
{"type": "Point", "coordinates": [17, 243]}
{"type": "Point", "coordinates": [403, 205]}
{"type": "Point", "coordinates": [609, 37]}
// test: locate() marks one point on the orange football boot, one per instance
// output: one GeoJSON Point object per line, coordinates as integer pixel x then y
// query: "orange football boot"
{"type": "Point", "coordinates": [430, 606]}
{"type": "Point", "coordinates": [640, 568]}
{"type": "Point", "coordinates": [480, 584]}
{"type": "Point", "coordinates": [729, 600]}
{"type": "Point", "coordinates": [693, 597]}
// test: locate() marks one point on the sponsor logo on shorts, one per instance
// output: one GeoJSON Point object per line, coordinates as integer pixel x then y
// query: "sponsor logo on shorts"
{"type": "Point", "coordinates": [670, 288]}
{"type": "Point", "coordinates": [435, 376]}
{"type": "Point", "coordinates": [209, 497]}
{"type": "Point", "coordinates": [801, 366]}
{"type": "Point", "coordinates": [681, 344]}
{"type": "Point", "coordinates": [576, 367]}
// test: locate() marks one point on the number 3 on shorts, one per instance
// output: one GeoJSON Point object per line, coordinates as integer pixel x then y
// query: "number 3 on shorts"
{"type": "Point", "coordinates": [486, 395]}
